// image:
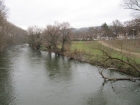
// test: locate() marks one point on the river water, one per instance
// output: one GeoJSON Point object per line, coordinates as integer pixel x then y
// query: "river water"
{"type": "Point", "coordinates": [29, 77]}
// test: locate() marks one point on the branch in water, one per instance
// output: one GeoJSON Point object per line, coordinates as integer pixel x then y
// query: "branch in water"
{"type": "Point", "coordinates": [117, 79]}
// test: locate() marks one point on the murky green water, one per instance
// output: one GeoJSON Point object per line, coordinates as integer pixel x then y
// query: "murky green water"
{"type": "Point", "coordinates": [29, 77]}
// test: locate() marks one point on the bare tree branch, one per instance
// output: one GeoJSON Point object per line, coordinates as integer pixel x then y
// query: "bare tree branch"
{"type": "Point", "coordinates": [116, 79]}
{"type": "Point", "coordinates": [129, 62]}
{"type": "Point", "coordinates": [132, 4]}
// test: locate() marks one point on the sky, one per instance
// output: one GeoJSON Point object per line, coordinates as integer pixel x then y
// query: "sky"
{"type": "Point", "coordinates": [79, 13]}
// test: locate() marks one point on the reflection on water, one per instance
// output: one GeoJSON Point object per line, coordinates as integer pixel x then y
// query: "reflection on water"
{"type": "Point", "coordinates": [30, 77]}
{"type": "Point", "coordinates": [58, 67]}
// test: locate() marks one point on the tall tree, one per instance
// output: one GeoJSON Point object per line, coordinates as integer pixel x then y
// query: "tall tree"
{"type": "Point", "coordinates": [117, 27]}
{"type": "Point", "coordinates": [91, 32]}
{"type": "Point", "coordinates": [2, 25]}
{"type": "Point", "coordinates": [3, 12]}
{"type": "Point", "coordinates": [106, 30]}
{"type": "Point", "coordinates": [132, 28]}
{"type": "Point", "coordinates": [9, 33]}
{"type": "Point", "coordinates": [65, 31]}
{"type": "Point", "coordinates": [52, 36]}
{"type": "Point", "coordinates": [34, 33]}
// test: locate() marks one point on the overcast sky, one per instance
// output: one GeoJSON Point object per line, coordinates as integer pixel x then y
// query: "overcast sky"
{"type": "Point", "coordinates": [79, 13]}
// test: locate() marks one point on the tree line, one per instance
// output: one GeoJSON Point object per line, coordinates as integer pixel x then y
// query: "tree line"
{"type": "Point", "coordinates": [62, 34]}
{"type": "Point", "coordinates": [116, 30]}
{"type": "Point", "coordinates": [9, 33]}
{"type": "Point", "coordinates": [52, 37]}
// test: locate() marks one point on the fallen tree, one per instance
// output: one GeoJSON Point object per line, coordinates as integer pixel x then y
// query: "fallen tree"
{"type": "Point", "coordinates": [117, 79]}
{"type": "Point", "coordinates": [128, 61]}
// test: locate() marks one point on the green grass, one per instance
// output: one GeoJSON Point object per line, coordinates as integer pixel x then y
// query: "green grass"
{"type": "Point", "coordinates": [92, 48]}
{"type": "Point", "coordinates": [89, 47]}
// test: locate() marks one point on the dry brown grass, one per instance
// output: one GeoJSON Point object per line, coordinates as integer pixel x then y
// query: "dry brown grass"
{"type": "Point", "coordinates": [127, 45]}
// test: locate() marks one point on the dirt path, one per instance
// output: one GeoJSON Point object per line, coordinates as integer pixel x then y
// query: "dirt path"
{"type": "Point", "coordinates": [124, 51]}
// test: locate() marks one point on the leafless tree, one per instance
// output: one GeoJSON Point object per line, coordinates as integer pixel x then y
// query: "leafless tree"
{"type": "Point", "coordinates": [91, 33]}
{"type": "Point", "coordinates": [117, 27]}
{"type": "Point", "coordinates": [52, 36]}
{"type": "Point", "coordinates": [9, 33]}
{"type": "Point", "coordinates": [132, 28]}
{"type": "Point", "coordinates": [2, 24]}
{"type": "Point", "coordinates": [3, 11]}
{"type": "Point", "coordinates": [17, 35]}
{"type": "Point", "coordinates": [119, 63]}
{"type": "Point", "coordinates": [65, 31]}
{"type": "Point", "coordinates": [116, 78]}
{"type": "Point", "coordinates": [34, 33]}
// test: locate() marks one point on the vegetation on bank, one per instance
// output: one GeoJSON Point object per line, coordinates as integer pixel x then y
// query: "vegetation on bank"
{"type": "Point", "coordinates": [58, 38]}
{"type": "Point", "coordinates": [97, 54]}
{"type": "Point", "coordinates": [78, 43]}
{"type": "Point", "coordinates": [9, 33]}
{"type": "Point", "coordinates": [51, 37]}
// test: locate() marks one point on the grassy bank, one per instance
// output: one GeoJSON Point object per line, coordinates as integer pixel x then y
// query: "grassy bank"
{"type": "Point", "coordinates": [93, 48]}
{"type": "Point", "coordinates": [88, 47]}
{"type": "Point", "coordinates": [92, 52]}
{"type": "Point", "coordinates": [89, 51]}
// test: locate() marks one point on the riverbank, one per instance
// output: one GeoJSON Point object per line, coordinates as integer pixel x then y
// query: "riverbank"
{"type": "Point", "coordinates": [98, 61]}
{"type": "Point", "coordinates": [90, 52]}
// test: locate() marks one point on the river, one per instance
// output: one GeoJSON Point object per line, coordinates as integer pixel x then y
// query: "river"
{"type": "Point", "coordinates": [30, 77]}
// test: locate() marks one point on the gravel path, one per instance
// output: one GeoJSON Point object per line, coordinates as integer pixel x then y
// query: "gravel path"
{"type": "Point", "coordinates": [117, 49]}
